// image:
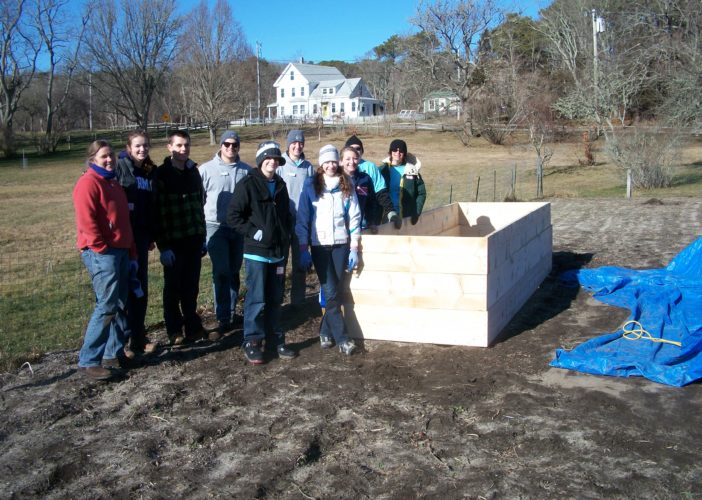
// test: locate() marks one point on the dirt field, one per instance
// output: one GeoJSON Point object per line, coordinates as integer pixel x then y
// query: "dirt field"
{"type": "Point", "coordinates": [396, 421]}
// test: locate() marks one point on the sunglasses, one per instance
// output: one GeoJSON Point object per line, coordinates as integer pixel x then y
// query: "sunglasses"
{"type": "Point", "coordinates": [230, 144]}
{"type": "Point", "coordinates": [397, 150]}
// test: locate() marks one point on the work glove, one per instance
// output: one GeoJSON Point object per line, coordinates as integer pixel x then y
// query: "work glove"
{"type": "Point", "coordinates": [133, 267]}
{"type": "Point", "coordinates": [353, 259]}
{"type": "Point", "coordinates": [203, 250]}
{"type": "Point", "coordinates": [258, 236]}
{"type": "Point", "coordinates": [305, 260]}
{"type": "Point", "coordinates": [135, 287]}
{"type": "Point", "coordinates": [167, 258]}
{"type": "Point", "coordinates": [395, 219]}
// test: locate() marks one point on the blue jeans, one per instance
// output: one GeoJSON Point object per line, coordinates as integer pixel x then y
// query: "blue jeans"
{"type": "Point", "coordinates": [105, 334]}
{"type": "Point", "coordinates": [264, 294]}
{"type": "Point", "coordinates": [136, 306]}
{"type": "Point", "coordinates": [181, 286]}
{"type": "Point", "coordinates": [226, 249]}
{"type": "Point", "coordinates": [330, 263]}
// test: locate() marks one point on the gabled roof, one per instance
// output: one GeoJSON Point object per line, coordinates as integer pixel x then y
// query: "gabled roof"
{"type": "Point", "coordinates": [343, 88]}
{"type": "Point", "coordinates": [313, 73]}
{"type": "Point", "coordinates": [448, 94]}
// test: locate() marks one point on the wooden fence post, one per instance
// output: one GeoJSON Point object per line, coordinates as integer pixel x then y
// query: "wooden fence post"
{"type": "Point", "coordinates": [477, 189]}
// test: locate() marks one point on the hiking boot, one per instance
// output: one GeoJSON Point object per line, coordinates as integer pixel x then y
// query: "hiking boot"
{"type": "Point", "coordinates": [347, 347]}
{"type": "Point", "coordinates": [129, 353]}
{"type": "Point", "coordinates": [285, 352]}
{"type": "Point", "coordinates": [177, 339]}
{"type": "Point", "coordinates": [325, 341]}
{"type": "Point", "coordinates": [150, 347]}
{"type": "Point", "coordinates": [253, 353]}
{"type": "Point", "coordinates": [214, 335]}
{"type": "Point", "coordinates": [112, 364]}
{"type": "Point", "coordinates": [97, 372]}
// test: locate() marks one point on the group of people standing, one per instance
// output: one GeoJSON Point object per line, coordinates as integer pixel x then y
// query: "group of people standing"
{"type": "Point", "coordinates": [282, 210]}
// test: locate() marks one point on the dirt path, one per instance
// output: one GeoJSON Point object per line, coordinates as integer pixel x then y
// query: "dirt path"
{"type": "Point", "coordinates": [397, 421]}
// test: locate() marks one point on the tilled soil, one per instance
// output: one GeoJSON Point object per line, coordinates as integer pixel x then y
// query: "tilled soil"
{"type": "Point", "coordinates": [395, 421]}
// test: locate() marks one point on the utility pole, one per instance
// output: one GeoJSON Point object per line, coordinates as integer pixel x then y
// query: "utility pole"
{"type": "Point", "coordinates": [258, 81]}
{"type": "Point", "coordinates": [594, 48]}
{"type": "Point", "coordinates": [90, 101]}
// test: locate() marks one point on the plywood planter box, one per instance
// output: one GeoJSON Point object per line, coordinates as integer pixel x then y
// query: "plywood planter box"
{"type": "Point", "coordinates": [457, 277]}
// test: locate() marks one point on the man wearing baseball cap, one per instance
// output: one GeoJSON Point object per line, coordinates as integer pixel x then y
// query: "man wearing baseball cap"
{"type": "Point", "coordinates": [260, 211]}
{"type": "Point", "coordinates": [294, 170]}
{"type": "Point", "coordinates": [225, 246]}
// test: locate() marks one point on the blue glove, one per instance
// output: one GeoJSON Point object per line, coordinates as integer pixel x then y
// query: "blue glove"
{"type": "Point", "coordinates": [258, 236]}
{"type": "Point", "coordinates": [167, 258]}
{"type": "Point", "coordinates": [305, 260]}
{"type": "Point", "coordinates": [353, 259]}
{"type": "Point", "coordinates": [133, 267]}
{"type": "Point", "coordinates": [203, 250]}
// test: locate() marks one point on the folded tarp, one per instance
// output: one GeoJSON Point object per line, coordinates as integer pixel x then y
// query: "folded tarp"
{"type": "Point", "coordinates": [668, 305]}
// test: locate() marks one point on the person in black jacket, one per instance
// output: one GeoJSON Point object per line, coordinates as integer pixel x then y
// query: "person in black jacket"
{"type": "Point", "coordinates": [134, 173]}
{"type": "Point", "coordinates": [259, 210]}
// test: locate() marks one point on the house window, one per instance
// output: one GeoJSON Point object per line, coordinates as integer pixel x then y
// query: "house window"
{"type": "Point", "coordinates": [282, 111]}
{"type": "Point", "coordinates": [302, 91]}
{"type": "Point", "coordinates": [341, 107]}
{"type": "Point", "coordinates": [282, 93]}
{"type": "Point", "coordinates": [292, 90]}
{"type": "Point", "coordinates": [432, 104]}
{"type": "Point", "coordinates": [353, 107]}
{"type": "Point", "coordinates": [314, 109]}
{"type": "Point", "coordinates": [333, 107]}
{"type": "Point", "coordinates": [292, 75]}
{"type": "Point", "coordinates": [331, 91]}
{"type": "Point", "coordinates": [302, 109]}
{"type": "Point", "coordinates": [295, 109]}
{"type": "Point", "coordinates": [324, 91]}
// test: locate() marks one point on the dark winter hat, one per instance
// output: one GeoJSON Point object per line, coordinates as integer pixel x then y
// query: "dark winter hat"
{"type": "Point", "coordinates": [398, 144]}
{"type": "Point", "coordinates": [296, 135]}
{"type": "Point", "coordinates": [269, 149]}
{"type": "Point", "coordinates": [328, 153]}
{"type": "Point", "coordinates": [354, 141]}
{"type": "Point", "coordinates": [229, 134]}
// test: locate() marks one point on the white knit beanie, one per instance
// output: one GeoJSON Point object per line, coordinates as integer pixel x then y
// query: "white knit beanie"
{"type": "Point", "coordinates": [328, 153]}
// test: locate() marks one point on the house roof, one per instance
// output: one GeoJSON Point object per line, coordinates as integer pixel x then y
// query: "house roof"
{"type": "Point", "coordinates": [343, 88]}
{"type": "Point", "coordinates": [313, 73]}
{"type": "Point", "coordinates": [441, 93]}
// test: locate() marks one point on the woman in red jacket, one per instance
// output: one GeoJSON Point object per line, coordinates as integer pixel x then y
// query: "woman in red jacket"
{"type": "Point", "coordinates": [106, 247]}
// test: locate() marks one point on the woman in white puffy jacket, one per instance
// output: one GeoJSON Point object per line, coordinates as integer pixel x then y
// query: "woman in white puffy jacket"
{"type": "Point", "coordinates": [329, 221]}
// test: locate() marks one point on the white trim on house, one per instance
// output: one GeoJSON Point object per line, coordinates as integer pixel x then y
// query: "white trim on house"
{"type": "Point", "coordinates": [313, 91]}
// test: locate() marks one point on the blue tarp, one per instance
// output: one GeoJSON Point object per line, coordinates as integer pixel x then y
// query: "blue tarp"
{"type": "Point", "coordinates": [668, 304]}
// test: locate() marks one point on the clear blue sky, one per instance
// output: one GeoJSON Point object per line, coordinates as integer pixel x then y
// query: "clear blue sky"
{"type": "Point", "coordinates": [320, 30]}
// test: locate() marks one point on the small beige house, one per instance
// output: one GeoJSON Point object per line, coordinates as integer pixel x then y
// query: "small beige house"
{"type": "Point", "coordinates": [441, 102]}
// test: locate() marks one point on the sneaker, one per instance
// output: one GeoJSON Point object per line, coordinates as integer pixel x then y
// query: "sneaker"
{"type": "Point", "coordinates": [285, 352]}
{"type": "Point", "coordinates": [347, 347]}
{"type": "Point", "coordinates": [253, 353]}
{"type": "Point", "coordinates": [325, 341]}
{"type": "Point", "coordinates": [97, 372]}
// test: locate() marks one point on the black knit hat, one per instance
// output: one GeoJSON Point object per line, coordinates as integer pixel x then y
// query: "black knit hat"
{"type": "Point", "coordinates": [398, 144]}
{"type": "Point", "coordinates": [269, 149]}
{"type": "Point", "coordinates": [354, 141]}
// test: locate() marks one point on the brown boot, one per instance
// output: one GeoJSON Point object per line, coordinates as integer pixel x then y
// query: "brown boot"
{"type": "Point", "coordinates": [97, 372]}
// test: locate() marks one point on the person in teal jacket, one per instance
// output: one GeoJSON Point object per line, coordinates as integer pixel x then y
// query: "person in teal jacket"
{"type": "Point", "coordinates": [407, 190]}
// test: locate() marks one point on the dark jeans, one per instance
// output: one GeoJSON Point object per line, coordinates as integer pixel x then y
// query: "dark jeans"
{"type": "Point", "coordinates": [298, 277]}
{"type": "Point", "coordinates": [264, 294]}
{"type": "Point", "coordinates": [226, 249]}
{"type": "Point", "coordinates": [136, 307]}
{"type": "Point", "coordinates": [181, 285]}
{"type": "Point", "coordinates": [330, 263]}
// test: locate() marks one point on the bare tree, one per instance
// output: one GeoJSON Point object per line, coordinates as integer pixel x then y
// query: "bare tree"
{"type": "Point", "coordinates": [62, 45]}
{"type": "Point", "coordinates": [132, 46]}
{"type": "Point", "coordinates": [214, 43]}
{"type": "Point", "coordinates": [18, 62]}
{"type": "Point", "coordinates": [451, 57]}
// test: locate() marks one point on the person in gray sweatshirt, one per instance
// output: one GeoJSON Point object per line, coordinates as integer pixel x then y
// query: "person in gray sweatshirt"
{"type": "Point", "coordinates": [294, 172]}
{"type": "Point", "coordinates": [226, 246]}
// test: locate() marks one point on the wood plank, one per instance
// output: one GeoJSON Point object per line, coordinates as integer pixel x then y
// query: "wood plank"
{"type": "Point", "coordinates": [382, 281]}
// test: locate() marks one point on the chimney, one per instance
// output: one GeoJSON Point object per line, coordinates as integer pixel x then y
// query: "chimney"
{"type": "Point", "coordinates": [302, 60]}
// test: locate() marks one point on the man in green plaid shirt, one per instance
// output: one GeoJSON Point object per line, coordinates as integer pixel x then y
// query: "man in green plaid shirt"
{"type": "Point", "coordinates": [180, 237]}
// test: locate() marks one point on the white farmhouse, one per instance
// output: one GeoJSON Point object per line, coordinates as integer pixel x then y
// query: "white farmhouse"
{"type": "Point", "coordinates": [312, 91]}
